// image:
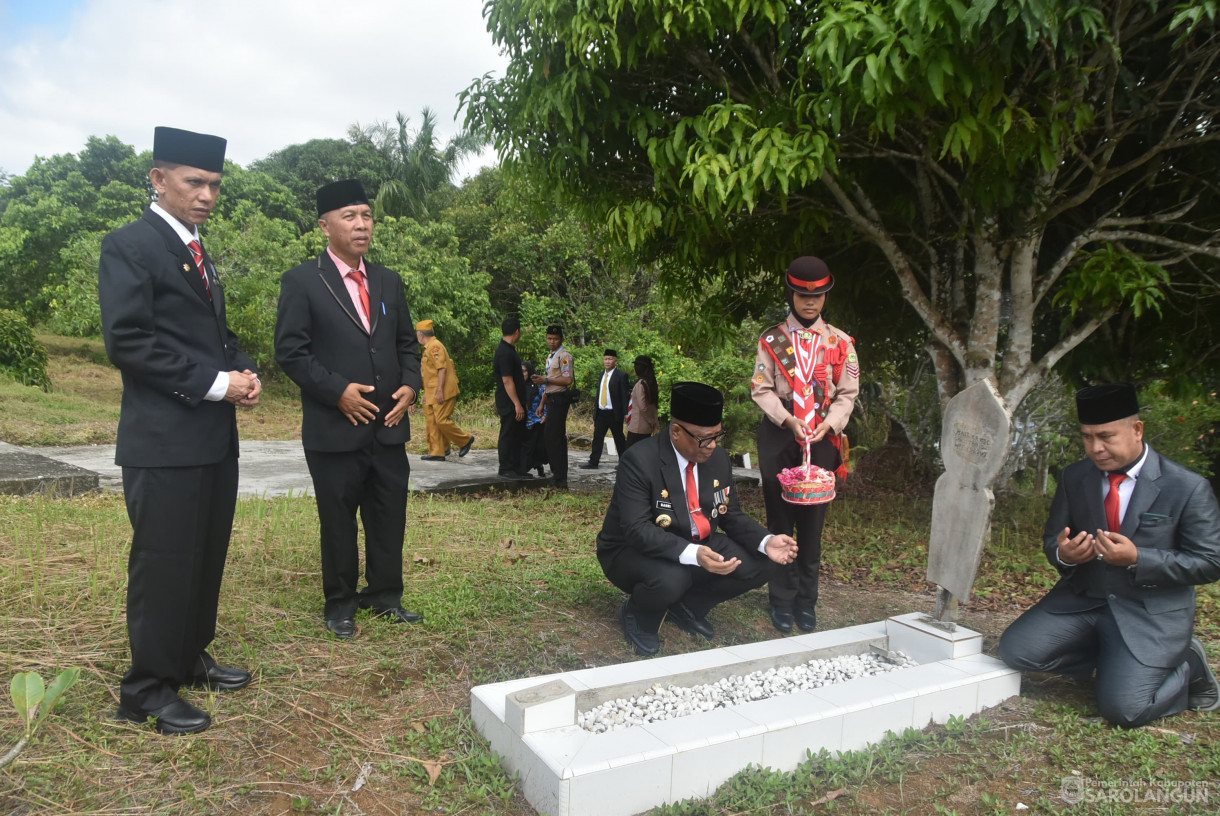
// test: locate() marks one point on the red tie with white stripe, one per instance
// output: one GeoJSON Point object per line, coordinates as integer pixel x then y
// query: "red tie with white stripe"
{"type": "Point", "coordinates": [1113, 522]}
{"type": "Point", "coordinates": [197, 254]}
{"type": "Point", "coordinates": [702, 527]}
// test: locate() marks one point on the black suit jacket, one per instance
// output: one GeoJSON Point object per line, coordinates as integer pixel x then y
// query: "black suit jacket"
{"type": "Point", "coordinates": [322, 346]}
{"type": "Point", "coordinates": [620, 392]}
{"type": "Point", "coordinates": [169, 342]}
{"type": "Point", "coordinates": [649, 485]}
{"type": "Point", "coordinates": [1174, 520]}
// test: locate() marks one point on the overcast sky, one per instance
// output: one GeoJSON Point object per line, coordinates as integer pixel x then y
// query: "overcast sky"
{"type": "Point", "coordinates": [264, 74]}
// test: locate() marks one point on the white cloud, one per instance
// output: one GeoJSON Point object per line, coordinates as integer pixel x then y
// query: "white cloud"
{"type": "Point", "coordinates": [262, 73]}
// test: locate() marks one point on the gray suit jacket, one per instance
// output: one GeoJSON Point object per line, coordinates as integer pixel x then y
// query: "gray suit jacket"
{"type": "Point", "coordinates": [1174, 520]}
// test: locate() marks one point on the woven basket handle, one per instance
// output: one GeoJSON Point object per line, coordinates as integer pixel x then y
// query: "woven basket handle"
{"type": "Point", "coordinates": [807, 455]}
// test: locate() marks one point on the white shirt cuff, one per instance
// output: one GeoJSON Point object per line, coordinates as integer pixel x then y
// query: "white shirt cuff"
{"type": "Point", "coordinates": [219, 388]}
{"type": "Point", "coordinates": [690, 556]}
{"type": "Point", "coordinates": [1062, 563]}
{"type": "Point", "coordinates": [762, 546]}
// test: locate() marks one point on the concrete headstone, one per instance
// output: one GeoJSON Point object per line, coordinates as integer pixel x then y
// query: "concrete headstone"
{"type": "Point", "coordinates": [974, 442]}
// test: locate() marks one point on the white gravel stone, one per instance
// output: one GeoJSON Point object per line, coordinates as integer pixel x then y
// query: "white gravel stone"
{"type": "Point", "coordinates": [662, 702]}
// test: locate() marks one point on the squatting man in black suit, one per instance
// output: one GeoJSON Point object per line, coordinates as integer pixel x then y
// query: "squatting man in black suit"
{"type": "Point", "coordinates": [344, 334]}
{"type": "Point", "coordinates": [675, 539]}
{"type": "Point", "coordinates": [1131, 534]}
{"type": "Point", "coordinates": [164, 323]}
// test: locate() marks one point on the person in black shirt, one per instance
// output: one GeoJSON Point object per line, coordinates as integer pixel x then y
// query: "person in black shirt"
{"type": "Point", "coordinates": [510, 396]}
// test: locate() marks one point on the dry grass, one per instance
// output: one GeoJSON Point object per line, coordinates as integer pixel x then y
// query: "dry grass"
{"type": "Point", "coordinates": [510, 588]}
{"type": "Point", "coordinates": [82, 407]}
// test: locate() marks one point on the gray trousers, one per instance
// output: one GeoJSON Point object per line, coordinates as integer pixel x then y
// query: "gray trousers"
{"type": "Point", "coordinates": [1077, 644]}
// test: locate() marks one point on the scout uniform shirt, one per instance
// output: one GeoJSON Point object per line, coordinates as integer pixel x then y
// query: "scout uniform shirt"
{"type": "Point", "coordinates": [770, 388]}
{"type": "Point", "coordinates": [433, 358]}
{"type": "Point", "coordinates": [559, 364]}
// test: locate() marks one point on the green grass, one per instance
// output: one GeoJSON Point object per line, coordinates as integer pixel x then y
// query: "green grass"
{"type": "Point", "coordinates": [510, 587]}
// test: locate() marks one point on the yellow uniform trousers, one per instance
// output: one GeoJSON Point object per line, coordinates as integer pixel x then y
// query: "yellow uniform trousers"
{"type": "Point", "coordinates": [442, 430]}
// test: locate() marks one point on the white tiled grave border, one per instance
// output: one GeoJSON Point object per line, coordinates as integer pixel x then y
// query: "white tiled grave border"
{"type": "Point", "coordinates": [565, 770]}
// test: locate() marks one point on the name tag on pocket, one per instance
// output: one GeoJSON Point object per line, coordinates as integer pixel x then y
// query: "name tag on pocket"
{"type": "Point", "coordinates": [664, 505]}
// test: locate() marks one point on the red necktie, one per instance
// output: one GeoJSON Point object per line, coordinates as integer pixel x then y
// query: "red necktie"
{"type": "Point", "coordinates": [1113, 522]}
{"type": "Point", "coordinates": [358, 277]}
{"type": "Point", "coordinates": [692, 503]}
{"type": "Point", "coordinates": [197, 254]}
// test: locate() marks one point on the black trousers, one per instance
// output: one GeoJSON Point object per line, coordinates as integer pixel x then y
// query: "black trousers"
{"type": "Point", "coordinates": [656, 584]}
{"type": "Point", "coordinates": [1129, 694]}
{"type": "Point", "coordinates": [181, 520]}
{"type": "Point", "coordinates": [793, 585]}
{"type": "Point", "coordinates": [606, 421]}
{"type": "Point", "coordinates": [533, 451]}
{"type": "Point", "coordinates": [632, 438]}
{"type": "Point", "coordinates": [373, 481]}
{"type": "Point", "coordinates": [555, 434]}
{"type": "Point", "coordinates": [512, 438]}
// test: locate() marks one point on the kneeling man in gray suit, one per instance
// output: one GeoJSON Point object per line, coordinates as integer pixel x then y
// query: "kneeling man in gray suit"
{"type": "Point", "coordinates": [1131, 534]}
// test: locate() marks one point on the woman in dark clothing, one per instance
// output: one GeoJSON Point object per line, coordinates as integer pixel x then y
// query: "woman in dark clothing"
{"type": "Point", "coordinates": [533, 450]}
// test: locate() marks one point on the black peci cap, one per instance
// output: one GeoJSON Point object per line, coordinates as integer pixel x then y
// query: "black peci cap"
{"type": "Point", "coordinates": [696, 403]}
{"type": "Point", "coordinates": [192, 149]}
{"type": "Point", "coordinates": [340, 194]}
{"type": "Point", "coordinates": [1108, 402]}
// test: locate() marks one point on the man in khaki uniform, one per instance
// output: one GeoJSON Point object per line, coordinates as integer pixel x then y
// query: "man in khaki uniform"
{"type": "Point", "coordinates": [440, 395]}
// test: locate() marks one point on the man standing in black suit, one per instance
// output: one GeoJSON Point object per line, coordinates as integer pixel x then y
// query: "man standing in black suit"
{"type": "Point", "coordinates": [675, 539]}
{"type": "Point", "coordinates": [613, 392]}
{"type": "Point", "coordinates": [164, 323]}
{"type": "Point", "coordinates": [344, 334]}
{"type": "Point", "coordinates": [510, 399]}
{"type": "Point", "coordinates": [1131, 534]}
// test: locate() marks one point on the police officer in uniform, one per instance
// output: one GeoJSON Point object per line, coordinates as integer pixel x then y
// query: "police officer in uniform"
{"type": "Point", "coordinates": [806, 378]}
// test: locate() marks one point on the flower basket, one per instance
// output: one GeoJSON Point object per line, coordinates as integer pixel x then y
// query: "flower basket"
{"type": "Point", "coordinates": [807, 484]}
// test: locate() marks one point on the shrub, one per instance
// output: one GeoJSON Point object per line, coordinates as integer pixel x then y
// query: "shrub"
{"type": "Point", "coordinates": [21, 356]}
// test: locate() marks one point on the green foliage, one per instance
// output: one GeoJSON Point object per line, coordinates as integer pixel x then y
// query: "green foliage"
{"type": "Point", "coordinates": [22, 357]}
{"type": "Point", "coordinates": [34, 700]}
{"type": "Point", "coordinates": [303, 168]}
{"type": "Point", "coordinates": [1022, 178]}
{"type": "Point", "coordinates": [440, 286]}
{"type": "Point", "coordinates": [56, 201]}
{"type": "Point", "coordinates": [418, 167]}
{"type": "Point", "coordinates": [1108, 278]}
{"type": "Point", "coordinates": [1184, 427]}
{"type": "Point", "coordinates": [72, 304]}
{"type": "Point", "coordinates": [251, 253]}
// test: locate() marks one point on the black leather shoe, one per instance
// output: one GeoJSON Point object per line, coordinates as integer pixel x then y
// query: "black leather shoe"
{"type": "Point", "coordinates": [644, 643]}
{"type": "Point", "coordinates": [806, 620]}
{"type": "Point", "coordinates": [221, 678]}
{"type": "Point", "coordinates": [398, 615]}
{"type": "Point", "coordinates": [427, 457]}
{"type": "Point", "coordinates": [541, 472]}
{"type": "Point", "coordinates": [178, 717]}
{"type": "Point", "coordinates": [782, 619]}
{"type": "Point", "coordinates": [1203, 693]}
{"type": "Point", "coordinates": [587, 466]}
{"type": "Point", "coordinates": [465, 449]}
{"type": "Point", "coordinates": [343, 628]}
{"type": "Point", "coordinates": [510, 474]}
{"type": "Point", "coordinates": [681, 617]}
